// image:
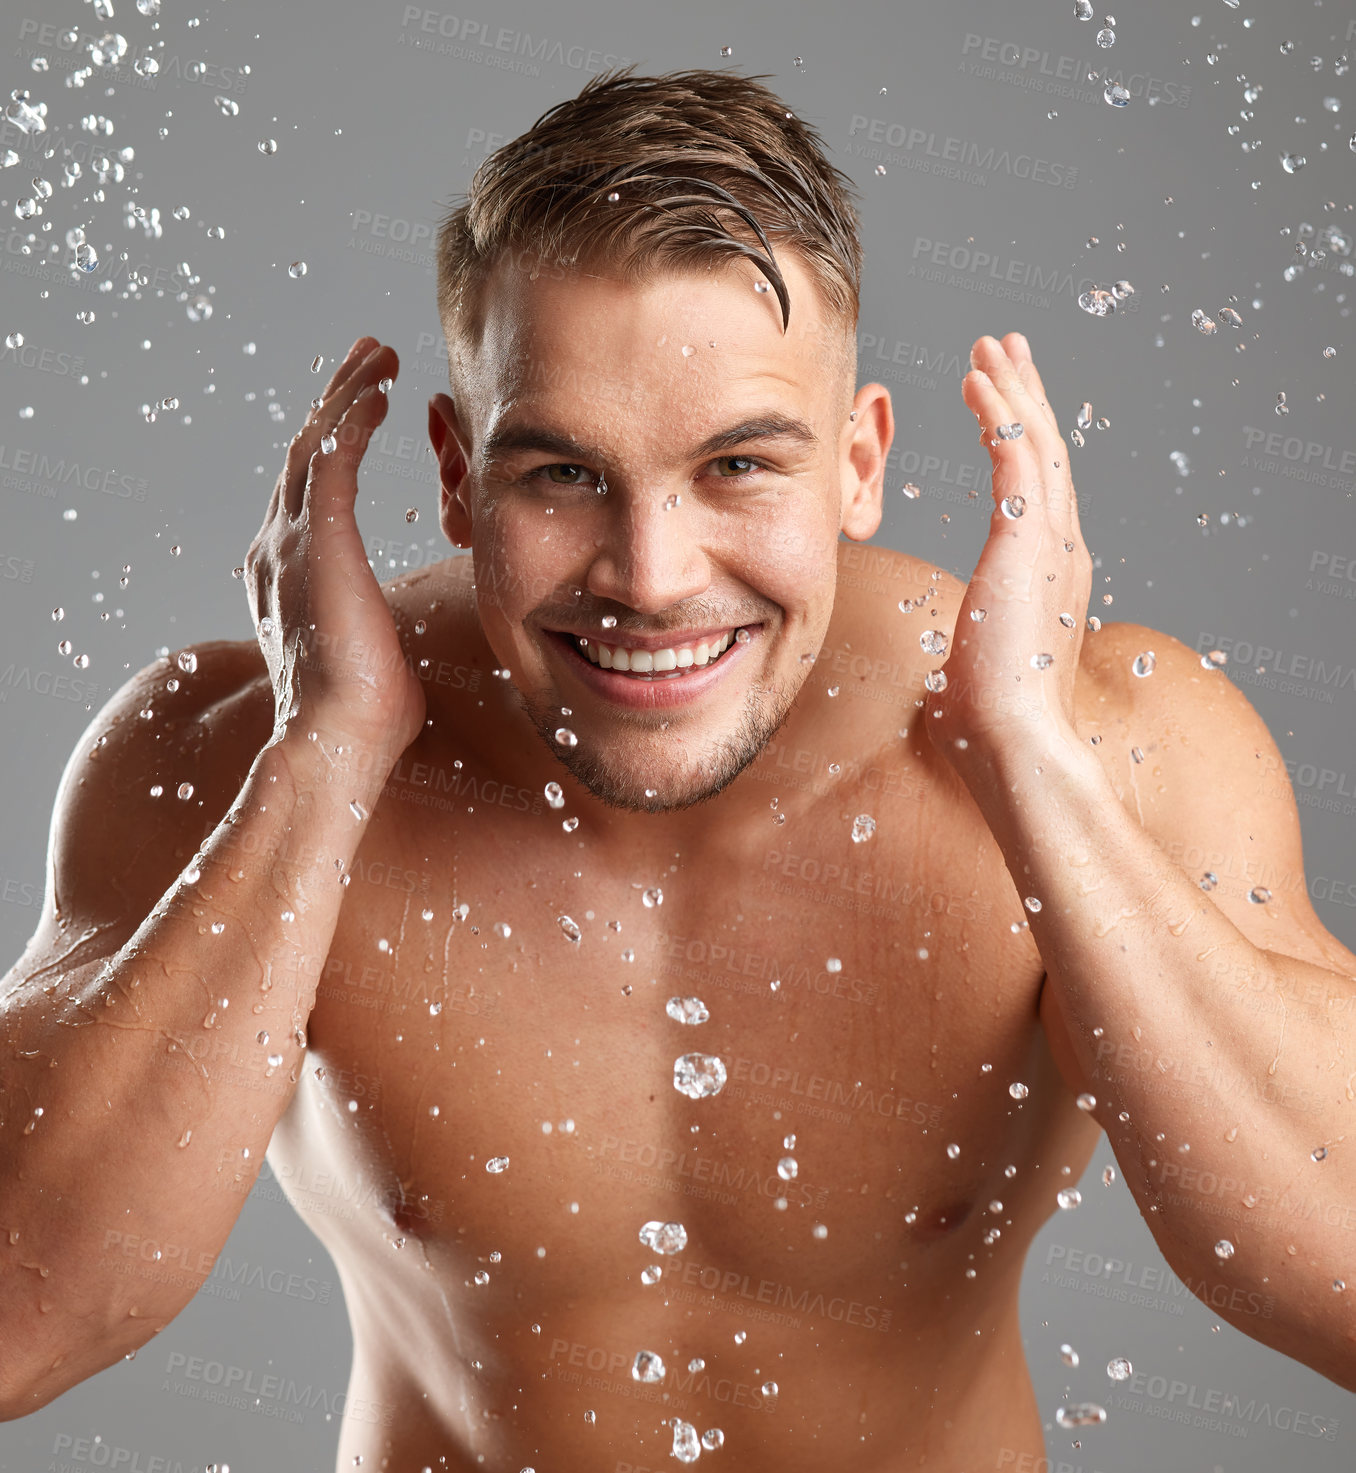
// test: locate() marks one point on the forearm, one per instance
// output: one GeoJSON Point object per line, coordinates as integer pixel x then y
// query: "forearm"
{"type": "Point", "coordinates": [141, 1091]}
{"type": "Point", "coordinates": [1218, 1067]}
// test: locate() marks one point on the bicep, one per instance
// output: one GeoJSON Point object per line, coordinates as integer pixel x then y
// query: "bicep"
{"type": "Point", "coordinates": [1202, 772]}
{"type": "Point", "coordinates": [120, 832]}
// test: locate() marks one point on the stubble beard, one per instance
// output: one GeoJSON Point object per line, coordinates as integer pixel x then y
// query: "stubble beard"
{"type": "Point", "coordinates": [766, 708]}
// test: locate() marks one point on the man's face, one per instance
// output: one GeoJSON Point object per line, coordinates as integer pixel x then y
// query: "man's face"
{"type": "Point", "coordinates": [653, 480]}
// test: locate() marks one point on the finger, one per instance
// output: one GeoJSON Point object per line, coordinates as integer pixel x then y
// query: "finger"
{"type": "Point", "coordinates": [355, 356]}
{"type": "Point", "coordinates": [1051, 442]}
{"type": "Point", "coordinates": [1017, 378]}
{"type": "Point", "coordinates": [380, 363]}
{"type": "Point", "coordinates": [332, 484]}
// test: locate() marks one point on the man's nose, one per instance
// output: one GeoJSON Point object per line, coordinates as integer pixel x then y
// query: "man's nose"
{"type": "Point", "coordinates": [651, 555]}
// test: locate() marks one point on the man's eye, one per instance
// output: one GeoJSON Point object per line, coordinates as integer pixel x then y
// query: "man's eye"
{"type": "Point", "coordinates": [573, 479]}
{"type": "Point", "coordinates": [733, 460]}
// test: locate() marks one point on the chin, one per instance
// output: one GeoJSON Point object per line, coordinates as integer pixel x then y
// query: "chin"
{"type": "Point", "coordinates": [658, 776]}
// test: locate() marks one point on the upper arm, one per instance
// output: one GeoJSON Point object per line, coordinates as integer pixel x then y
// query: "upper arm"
{"type": "Point", "coordinates": [120, 831]}
{"type": "Point", "coordinates": [1211, 788]}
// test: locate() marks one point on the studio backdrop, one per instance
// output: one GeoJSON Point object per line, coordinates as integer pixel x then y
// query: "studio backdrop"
{"type": "Point", "coordinates": [201, 201]}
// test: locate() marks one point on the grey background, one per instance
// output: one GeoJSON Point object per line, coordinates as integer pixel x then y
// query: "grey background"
{"type": "Point", "coordinates": [375, 135]}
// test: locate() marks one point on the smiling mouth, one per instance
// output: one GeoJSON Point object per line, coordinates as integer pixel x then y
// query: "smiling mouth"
{"type": "Point", "coordinates": [670, 663]}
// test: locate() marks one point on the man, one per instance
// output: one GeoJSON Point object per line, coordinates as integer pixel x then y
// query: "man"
{"type": "Point", "coordinates": [696, 1069]}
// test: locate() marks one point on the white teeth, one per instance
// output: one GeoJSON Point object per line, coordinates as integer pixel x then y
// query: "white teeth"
{"type": "Point", "coordinates": [644, 662]}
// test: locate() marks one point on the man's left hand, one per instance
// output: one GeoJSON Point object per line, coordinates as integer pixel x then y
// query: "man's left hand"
{"type": "Point", "coordinates": [1014, 653]}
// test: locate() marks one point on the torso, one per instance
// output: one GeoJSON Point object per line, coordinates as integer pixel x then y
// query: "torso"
{"type": "Point", "coordinates": [907, 1005]}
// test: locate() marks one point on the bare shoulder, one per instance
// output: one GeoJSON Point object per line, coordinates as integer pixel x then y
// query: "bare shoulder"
{"type": "Point", "coordinates": [150, 776]}
{"type": "Point", "coordinates": [1195, 764]}
{"type": "Point", "coordinates": [873, 654]}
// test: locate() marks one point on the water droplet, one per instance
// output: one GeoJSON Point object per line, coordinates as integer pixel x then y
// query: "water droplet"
{"type": "Point", "coordinates": [1068, 1198]}
{"type": "Point", "coordinates": [185, 790]}
{"type": "Point", "coordinates": [1119, 1369]}
{"type": "Point", "coordinates": [953, 1151]}
{"type": "Point", "coordinates": [1224, 1249]}
{"type": "Point", "coordinates": [648, 1367]}
{"type": "Point", "coordinates": [227, 106]}
{"type": "Point", "coordinates": [1319, 1153]}
{"type": "Point", "coordinates": [664, 1237]}
{"type": "Point", "coordinates": [1013, 507]}
{"type": "Point", "coordinates": [328, 444]}
{"type": "Point", "coordinates": [788, 1168]}
{"type": "Point", "coordinates": [834, 964]}
{"type": "Point", "coordinates": [198, 309]}
{"type": "Point", "coordinates": [652, 897]}
{"type": "Point", "coordinates": [687, 1446]}
{"type": "Point", "coordinates": [1081, 1414]}
{"type": "Point", "coordinates": [1032, 904]}
{"type": "Point", "coordinates": [1108, 1175]}
{"type": "Point", "coordinates": [1097, 302]}
{"type": "Point", "coordinates": [863, 827]}
{"type": "Point", "coordinates": [651, 1274]}
{"type": "Point", "coordinates": [1259, 895]}
{"type": "Point", "coordinates": [1068, 1355]}
{"type": "Point", "coordinates": [1018, 1091]}
{"type": "Point", "coordinates": [503, 930]}
{"type": "Point", "coordinates": [482, 1277]}
{"type": "Point", "coordinates": [1116, 95]}
{"type": "Point", "coordinates": [698, 1076]}
{"type": "Point", "coordinates": [1042, 661]}
{"type": "Point", "coordinates": [1086, 1102]}
{"type": "Point", "coordinates": [555, 795]}
{"type": "Point", "coordinates": [1083, 9]}
{"type": "Point", "coordinates": [687, 1010]}
{"type": "Point", "coordinates": [1106, 37]}
{"type": "Point", "coordinates": [569, 929]}
{"type": "Point", "coordinates": [1143, 664]}
{"type": "Point", "coordinates": [933, 642]}
{"type": "Point", "coordinates": [297, 270]}
{"type": "Point", "coordinates": [1010, 432]}
{"type": "Point", "coordinates": [268, 146]}
{"type": "Point", "coordinates": [1292, 163]}
{"type": "Point", "coordinates": [496, 1165]}
{"type": "Point", "coordinates": [565, 737]}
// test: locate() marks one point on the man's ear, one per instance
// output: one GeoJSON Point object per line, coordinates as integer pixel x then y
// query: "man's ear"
{"type": "Point", "coordinates": [871, 433]}
{"type": "Point", "coordinates": [445, 435]}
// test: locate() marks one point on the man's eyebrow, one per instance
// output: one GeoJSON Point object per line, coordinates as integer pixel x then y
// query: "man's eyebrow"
{"type": "Point", "coordinates": [510, 439]}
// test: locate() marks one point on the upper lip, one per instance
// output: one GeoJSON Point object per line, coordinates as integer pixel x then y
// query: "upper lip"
{"type": "Point", "coordinates": [619, 639]}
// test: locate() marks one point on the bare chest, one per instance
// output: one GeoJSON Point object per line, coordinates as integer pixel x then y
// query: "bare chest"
{"type": "Point", "coordinates": [520, 1055]}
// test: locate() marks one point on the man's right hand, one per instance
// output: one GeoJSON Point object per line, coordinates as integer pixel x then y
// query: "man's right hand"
{"type": "Point", "coordinates": [334, 654]}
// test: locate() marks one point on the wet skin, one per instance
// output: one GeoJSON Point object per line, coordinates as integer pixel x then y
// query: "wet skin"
{"type": "Point", "coordinates": [875, 1000]}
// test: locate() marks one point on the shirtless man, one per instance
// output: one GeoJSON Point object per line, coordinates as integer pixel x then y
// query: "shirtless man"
{"type": "Point", "coordinates": [941, 929]}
